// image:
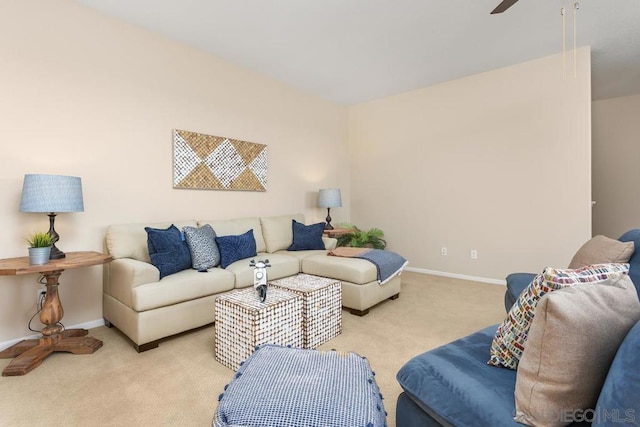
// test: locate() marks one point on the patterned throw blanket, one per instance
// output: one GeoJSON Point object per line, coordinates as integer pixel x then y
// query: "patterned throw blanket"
{"type": "Point", "coordinates": [389, 264]}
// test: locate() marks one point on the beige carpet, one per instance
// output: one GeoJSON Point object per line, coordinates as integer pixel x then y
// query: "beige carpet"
{"type": "Point", "coordinates": [178, 383]}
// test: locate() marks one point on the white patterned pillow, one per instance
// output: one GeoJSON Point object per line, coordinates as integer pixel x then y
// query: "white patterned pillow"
{"type": "Point", "coordinates": [203, 247]}
{"type": "Point", "coordinates": [511, 336]}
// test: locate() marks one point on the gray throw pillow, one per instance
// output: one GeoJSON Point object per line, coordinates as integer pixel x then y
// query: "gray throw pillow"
{"type": "Point", "coordinates": [203, 247]}
{"type": "Point", "coordinates": [600, 250]}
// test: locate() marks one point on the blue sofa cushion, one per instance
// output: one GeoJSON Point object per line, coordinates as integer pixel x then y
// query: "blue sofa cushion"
{"type": "Point", "coordinates": [455, 386]}
{"type": "Point", "coordinates": [619, 400]}
{"type": "Point", "coordinates": [168, 250]}
{"type": "Point", "coordinates": [236, 247]}
{"type": "Point", "coordinates": [307, 237]}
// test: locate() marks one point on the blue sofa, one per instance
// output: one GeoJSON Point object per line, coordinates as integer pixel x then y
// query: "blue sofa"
{"type": "Point", "coordinates": [452, 385]}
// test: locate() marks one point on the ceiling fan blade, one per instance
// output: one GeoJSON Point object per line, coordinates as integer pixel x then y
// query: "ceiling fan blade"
{"type": "Point", "coordinates": [506, 4]}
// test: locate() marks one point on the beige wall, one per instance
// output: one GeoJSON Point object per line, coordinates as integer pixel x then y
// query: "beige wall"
{"type": "Point", "coordinates": [616, 156]}
{"type": "Point", "coordinates": [83, 94]}
{"type": "Point", "coordinates": [497, 162]}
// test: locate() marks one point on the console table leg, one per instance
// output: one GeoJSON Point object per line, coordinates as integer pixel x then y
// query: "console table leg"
{"type": "Point", "coordinates": [28, 361]}
{"type": "Point", "coordinates": [52, 311]}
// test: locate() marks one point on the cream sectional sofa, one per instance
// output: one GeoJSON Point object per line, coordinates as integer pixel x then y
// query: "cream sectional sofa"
{"type": "Point", "coordinates": [147, 308]}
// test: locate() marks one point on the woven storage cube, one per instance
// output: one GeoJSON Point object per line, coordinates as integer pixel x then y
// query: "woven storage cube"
{"type": "Point", "coordinates": [322, 306]}
{"type": "Point", "coordinates": [242, 322]}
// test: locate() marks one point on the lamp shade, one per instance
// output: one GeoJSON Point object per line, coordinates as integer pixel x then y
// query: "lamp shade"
{"type": "Point", "coordinates": [329, 198]}
{"type": "Point", "coordinates": [51, 193]}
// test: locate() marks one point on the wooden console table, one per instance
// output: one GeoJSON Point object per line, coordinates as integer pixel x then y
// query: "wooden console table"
{"type": "Point", "coordinates": [337, 232]}
{"type": "Point", "coordinates": [29, 354]}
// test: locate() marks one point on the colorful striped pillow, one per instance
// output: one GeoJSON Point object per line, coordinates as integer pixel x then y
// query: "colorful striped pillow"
{"type": "Point", "coordinates": [511, 336]}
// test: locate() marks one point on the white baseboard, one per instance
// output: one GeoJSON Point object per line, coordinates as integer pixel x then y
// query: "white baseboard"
{"type": "Point", "coordinates": [457, 276]}
{"type": "Point", "coordinates": [87, 325]}
{"type": "Point", "coordinates": [100, 322]}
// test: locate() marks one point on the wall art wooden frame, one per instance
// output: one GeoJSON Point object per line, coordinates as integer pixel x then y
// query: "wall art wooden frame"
{"type": "Point", "coordinates": [207, 162]}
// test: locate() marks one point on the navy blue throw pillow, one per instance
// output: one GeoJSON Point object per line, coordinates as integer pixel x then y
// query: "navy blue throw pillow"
{"type": "Point", "coordinates": [235, 248]}
{"type": "Point", "coordinates": [307, 237]}
{"type": "Point", "coordinates": [168, 250]}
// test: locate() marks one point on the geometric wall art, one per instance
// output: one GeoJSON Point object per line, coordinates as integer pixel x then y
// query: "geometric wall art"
{"type": "Point", "coordinates": [209, 162]}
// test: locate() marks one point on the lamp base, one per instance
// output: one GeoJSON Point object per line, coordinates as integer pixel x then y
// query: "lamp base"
{"type": "Point", "coordinates": [328, 225]}
{"type": "Point", "coordinates": [56, 253]}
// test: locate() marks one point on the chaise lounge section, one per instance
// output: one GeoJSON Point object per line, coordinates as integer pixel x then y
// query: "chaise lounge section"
{"type": "Point", "coordinates": [453, 385]}
{"type": "Point", "coordinates": [148, 308]}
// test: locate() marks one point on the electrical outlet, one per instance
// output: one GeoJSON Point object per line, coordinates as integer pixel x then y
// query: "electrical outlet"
{"type": "Point", "coordinates": [474, 254]}
{"type": "Point", "coordinates": [42, 292]}
{"type": "Point", "coordinates": [443, 251]}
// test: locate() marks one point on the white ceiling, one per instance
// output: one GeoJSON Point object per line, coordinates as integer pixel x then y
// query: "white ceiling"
{"type": "Point", "coordinates": [351, 51]}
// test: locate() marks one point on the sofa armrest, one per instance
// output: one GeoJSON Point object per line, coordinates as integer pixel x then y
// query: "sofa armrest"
{"type": "Point", "coordinates": [329, 242]}
{"type": "Point", "coordinates": [124, 274]}
{"type": "Point", "coordinates": [516, 283]}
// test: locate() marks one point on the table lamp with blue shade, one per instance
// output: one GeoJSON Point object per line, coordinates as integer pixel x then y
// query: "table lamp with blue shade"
{"type": "Point", "coordinates": [52, 194]}
{"type": "Point", "coordinates": [329, 198]}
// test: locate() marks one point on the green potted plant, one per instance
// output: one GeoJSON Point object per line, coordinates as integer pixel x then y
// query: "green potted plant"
{"type": "Point", "coordinates": [39, 248]}
{"type": "Point", "coordinates": [372, 238]}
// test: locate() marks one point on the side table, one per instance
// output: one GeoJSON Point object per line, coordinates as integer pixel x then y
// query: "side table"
{"type": "Point", "coordinates": [243, 322]}
{"type": "Point", "coordinates": [321, 306]}
{"type": "Point", "coordinates": [337, 232]}
{"type": "Point", "coordinates": [29, 354]}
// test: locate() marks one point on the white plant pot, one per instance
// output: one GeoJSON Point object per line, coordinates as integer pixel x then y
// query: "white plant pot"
{"type": "Point", "coordinates": [39, 256]}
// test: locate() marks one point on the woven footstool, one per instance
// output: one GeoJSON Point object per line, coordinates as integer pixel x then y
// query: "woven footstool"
{"type": "Point", "coordinates": [294, 387]}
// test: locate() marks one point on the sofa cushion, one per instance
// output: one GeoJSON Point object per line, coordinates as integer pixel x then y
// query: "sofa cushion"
{"type": "Point", "coordinates": [358, 271]}
{"type": "Point", "coordinates": [572, 342]}
{"type": "Point", "coordinates": [234, 248]}
{"type": "Point", "coordinates": [307, 237]}
{"type": "Point", "coordinates": [183, 286]}
{"type": "Point", "coordinates": [454, 384]}
{"type": "Point", "coordinates": [230, 227]}
{"type": "Point", "coordinates": [511, 336]}
{"type": "Point", "coordinates": [168, 251]}
{"type": "Point", "coordinates": [619, 395]}
{"type": "Point", "coordinates": [600, 250]}
{"type": "Point", "coordinates": [202, 246]}
{"type": "Point", "coordinates": [277, 231]}
{"type": "Point", "coordinates": [130, 240]}
{"type": "Point", "coordinates": [281, 266]}
{"type": "Point", "coordinates": [300, 255]}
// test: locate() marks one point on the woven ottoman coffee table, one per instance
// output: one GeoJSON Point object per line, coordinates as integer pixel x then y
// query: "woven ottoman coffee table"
{"type": "Point", "coordinates": [243, 322]}
{"type": "Point", "coordinates": [321, 306]}
{"type": "Point", "coordinates": [294, 387]}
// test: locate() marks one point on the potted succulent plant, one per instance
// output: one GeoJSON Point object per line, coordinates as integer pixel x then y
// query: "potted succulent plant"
{"type": "Point", "coordinates": [39, 248]}
{"type": "Point", "coordinates": [372, 238]}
